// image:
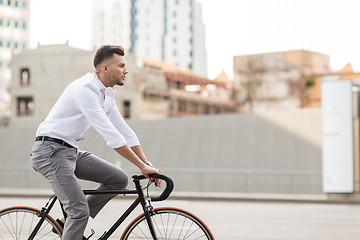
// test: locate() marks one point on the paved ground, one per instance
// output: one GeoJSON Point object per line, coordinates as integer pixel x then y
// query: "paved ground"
{"type": "Point", "coordinates": [245, 219]}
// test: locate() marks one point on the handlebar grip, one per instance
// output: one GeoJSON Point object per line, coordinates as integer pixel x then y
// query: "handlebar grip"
{"type": "Point", "coordinates": [168, 189]}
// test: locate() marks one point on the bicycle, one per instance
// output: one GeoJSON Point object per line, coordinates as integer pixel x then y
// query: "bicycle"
{"type": "Point", "coordinates": [23, 222]}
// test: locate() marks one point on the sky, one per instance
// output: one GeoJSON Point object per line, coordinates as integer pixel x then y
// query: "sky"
{"type": "Point", "coordinates": [233, 28]}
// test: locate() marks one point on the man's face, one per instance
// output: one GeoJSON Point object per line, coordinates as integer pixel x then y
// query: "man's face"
{"type": "Point", "coordinates": [117, 70]}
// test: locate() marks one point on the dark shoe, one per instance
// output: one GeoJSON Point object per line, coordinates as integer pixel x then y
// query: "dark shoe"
{"type": "Point", "coordinates": [61, 225]}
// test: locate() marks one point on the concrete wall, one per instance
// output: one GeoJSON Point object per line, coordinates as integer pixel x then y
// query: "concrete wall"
{"type": "Point", "coordinates": [274, 152]}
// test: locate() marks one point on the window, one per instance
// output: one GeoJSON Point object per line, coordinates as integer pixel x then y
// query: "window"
{"type": "Point", "coordinates": [24, 77]}
{"type": "Point", "coordinates": [1, 22]}
{"type": "Point", "coordinates": [9, 2]}
{"type": "Point", "coordinates": [16, 24]}
{"type": "Point", "coordinates": [24, 25]}
{"type": "Point", "coordinates": [1, 2]}
{"type": "Point", "coordinates": [1, 43]}
{"type": "Point", "coordinates": [127, 111]}
{"type": "Point", "coordinates": [1, 64]}
{"type": "Point", "coordinates": [16, 4]}
{"type": "Point", "coordinates": [25, 106]}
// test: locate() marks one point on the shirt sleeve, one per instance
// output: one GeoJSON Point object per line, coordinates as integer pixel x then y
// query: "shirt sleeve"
{"type": "Point", "coordinates": [87, 101]}
{"type": "Point", "coordinates": [122, 126]}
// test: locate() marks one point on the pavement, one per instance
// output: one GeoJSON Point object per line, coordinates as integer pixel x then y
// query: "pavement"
{"type": "Point", "coordinates": [217, 196]}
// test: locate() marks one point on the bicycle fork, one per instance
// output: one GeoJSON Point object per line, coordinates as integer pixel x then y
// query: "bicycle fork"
{"type": "Point", "coordinates": [147, 208]}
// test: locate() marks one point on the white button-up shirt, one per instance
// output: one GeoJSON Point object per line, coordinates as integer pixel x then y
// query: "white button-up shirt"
{"type": "Point", "coordinates": [87, 102]}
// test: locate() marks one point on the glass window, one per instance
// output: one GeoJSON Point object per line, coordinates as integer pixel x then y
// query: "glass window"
{"type": "Point", "coordinates": [1, 22]}
{"type": "Point", "coordinates": [16, 4]}
{"type": "Point", "coordinates": [8, 44]}
{"type": "Point", "coordinates": [8, 23]}
{"type": "Point", "coordinates": [127, 105]}
{"type": "Point", "coordinates": [24, 77]}
{"type": "Point", "coordinates": [24, 25]}
{"type": "Point", "coordinates": [1, 43]}
{"type": "Point", "coordinates": [16, 24]}
{"type": "Point", "coordinates": [24, 4]}
{"type": "Point", "coordinates": [1, 64]}
{"type": "Point", "coordinates": [16, 45]}
{"type": "Point", "coordinates": [9, 2]}
{"type": "Point", "coordinates": [25, 106]}
{"type": "Point", "coordinates": [1, 2]}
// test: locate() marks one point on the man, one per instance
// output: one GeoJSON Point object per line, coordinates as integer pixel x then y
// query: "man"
{"type": "Point", "coordinates": [88, 101]}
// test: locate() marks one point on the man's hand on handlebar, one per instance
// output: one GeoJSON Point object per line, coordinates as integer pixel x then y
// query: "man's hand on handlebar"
{"type": "Point", "coordinates": [146, 170]}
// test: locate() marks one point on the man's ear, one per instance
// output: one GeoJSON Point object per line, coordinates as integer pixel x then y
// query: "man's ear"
{"type": "Point", "coordinates": [104, 67]}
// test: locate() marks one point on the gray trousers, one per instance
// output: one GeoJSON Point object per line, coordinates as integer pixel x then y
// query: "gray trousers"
{"type": "Point", "coordinates": [62, 167]}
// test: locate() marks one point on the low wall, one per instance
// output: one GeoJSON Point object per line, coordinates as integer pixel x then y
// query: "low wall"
{"type": "Point", "coordinates": [273, 152]}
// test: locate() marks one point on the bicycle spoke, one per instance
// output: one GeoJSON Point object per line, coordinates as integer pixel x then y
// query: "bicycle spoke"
{"type": "Point", "coordinates": [169, 224]}
{"type": "Point", "coordinates": [157, 225]}
{"type": "Point", "coordinates": [19, 222]}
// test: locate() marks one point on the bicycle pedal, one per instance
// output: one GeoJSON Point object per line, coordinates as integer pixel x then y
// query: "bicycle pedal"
{"type": "Point", "coordinates": [92, 233]}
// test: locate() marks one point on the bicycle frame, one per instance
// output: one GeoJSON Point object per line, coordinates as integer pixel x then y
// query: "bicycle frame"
{"type": "Point", "coordinates": [139, 200]}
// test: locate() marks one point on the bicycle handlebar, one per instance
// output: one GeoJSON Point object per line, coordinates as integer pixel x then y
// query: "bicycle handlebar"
{"type": "Point", "coordinates": [168, 189]}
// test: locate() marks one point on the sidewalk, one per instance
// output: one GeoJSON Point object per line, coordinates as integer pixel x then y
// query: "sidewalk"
{"type": "Point", "coordinates": [207, 196]}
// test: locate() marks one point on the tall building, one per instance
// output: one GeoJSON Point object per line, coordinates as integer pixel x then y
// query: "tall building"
{"type": "Point", "coordinates": [14, 37]}
{"type": "Point", "coordinates": [278, 80]}
{"type": "Point", "coordinates": [110, 22]}
{"type": "Point", "coordinates": [169, 31]}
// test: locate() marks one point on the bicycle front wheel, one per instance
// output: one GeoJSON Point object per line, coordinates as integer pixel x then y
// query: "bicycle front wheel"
{"type": "Point", "coordinates": [18, 223]}
{"type": "Point", "coordinates": [170, 224]}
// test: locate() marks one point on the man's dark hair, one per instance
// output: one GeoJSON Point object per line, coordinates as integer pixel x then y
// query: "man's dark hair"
{"type": "Point", "coordinates": [107, 51]}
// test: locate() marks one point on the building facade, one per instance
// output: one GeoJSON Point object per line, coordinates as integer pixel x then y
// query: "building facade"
{"type": "Point", "coordinates": [14, 37]}
{"type": "Point", "coordinates": [170, 31]}
{"type": "Point", "coordinates": [278, 80]}
{"type": "Point", "coordinates": [153, 89]}
{"type": "Point", "coordinates": [110, 23]}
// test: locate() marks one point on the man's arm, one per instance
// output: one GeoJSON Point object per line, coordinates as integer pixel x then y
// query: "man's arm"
{"type": "Point", "coordinates": [139, 152]}
{"type": "Point", "coordinates": [137, 157]}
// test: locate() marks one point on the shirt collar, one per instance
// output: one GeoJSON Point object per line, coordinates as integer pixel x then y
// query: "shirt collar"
{"type": "Point", "coordinates": [108, 91]}
{"type": "Point", "coordinates": [99, 84]}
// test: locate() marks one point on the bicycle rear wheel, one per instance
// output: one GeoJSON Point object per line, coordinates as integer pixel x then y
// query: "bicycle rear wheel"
{"type": "Point", "coordinates": [18, 223]}
{"type": "Point", "coordinates": [169, 223]}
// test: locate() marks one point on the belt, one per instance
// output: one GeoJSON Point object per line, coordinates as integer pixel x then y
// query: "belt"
{"type": "Point", "coordinates": [50, 139]}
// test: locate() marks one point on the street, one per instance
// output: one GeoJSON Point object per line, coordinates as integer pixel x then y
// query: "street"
{"type": "Point", "coordinates": [239, 220]}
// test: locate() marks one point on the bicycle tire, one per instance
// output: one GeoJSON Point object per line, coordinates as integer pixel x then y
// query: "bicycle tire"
{"type": "Point", "coordinates": [170, 224]}
{"type": "Point", "coordinates": [18, 223]}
